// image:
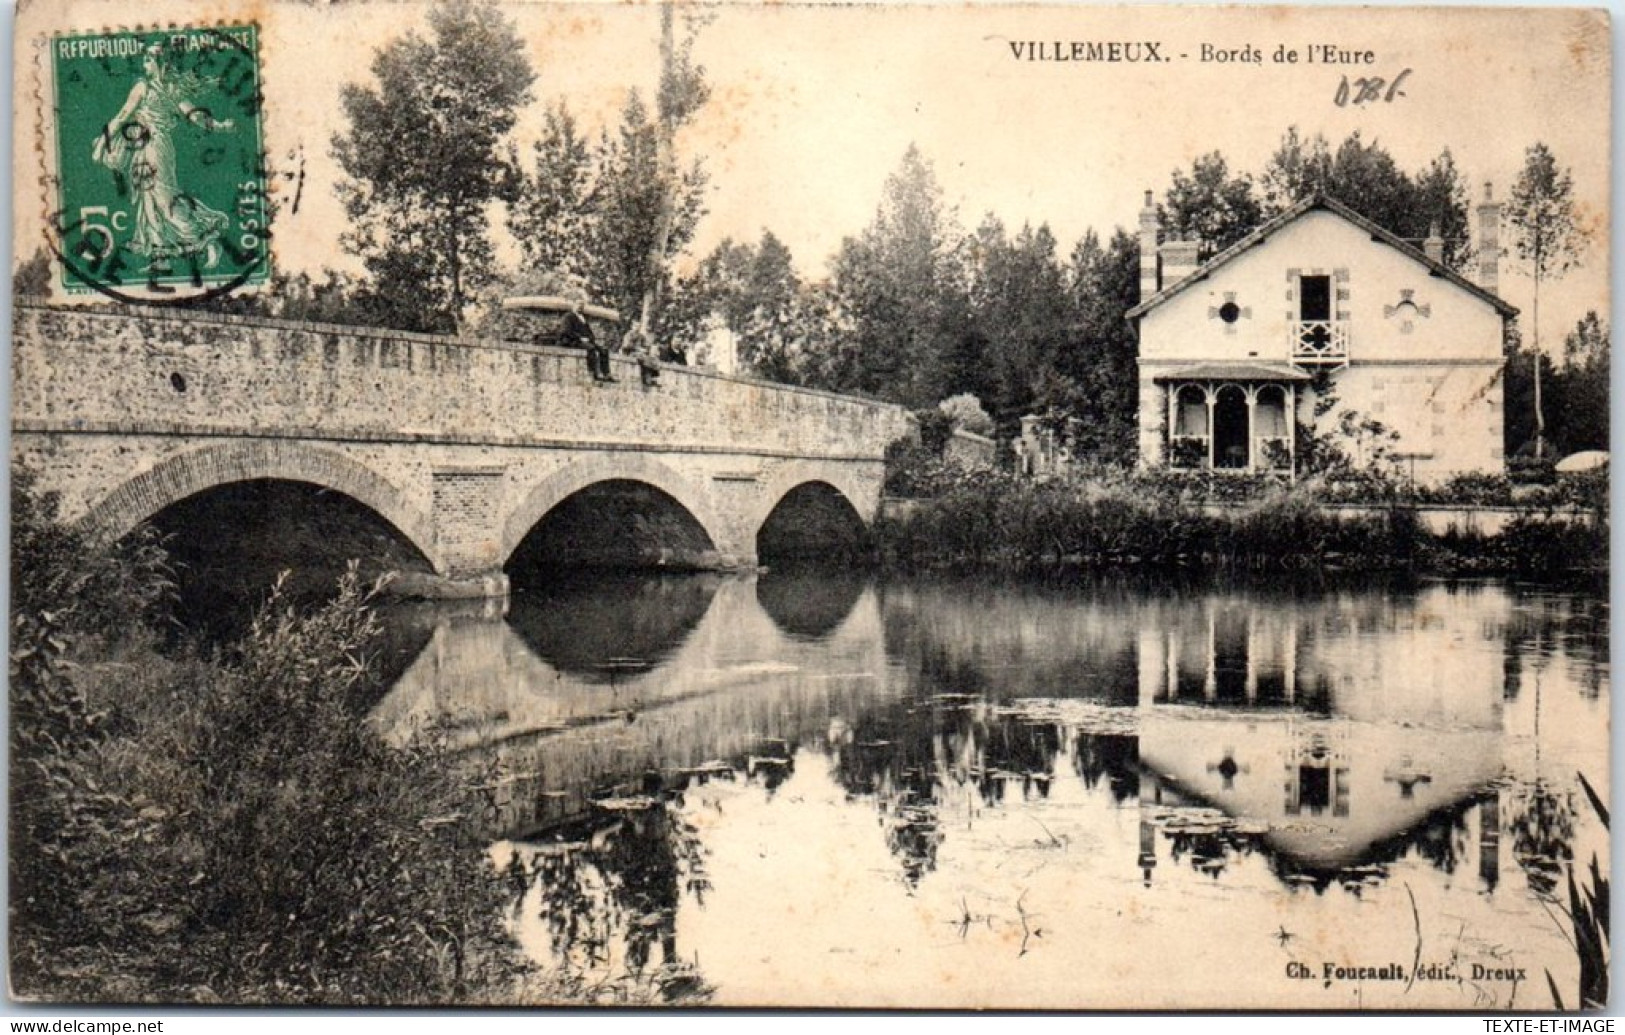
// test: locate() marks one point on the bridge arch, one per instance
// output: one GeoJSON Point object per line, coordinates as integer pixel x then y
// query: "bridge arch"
{"type": "Point", "coordinates": [198, 470]}
{"type": "Point", "coordinates": [822, 483]}
{"type": "Point", "coordinates": [561, 485]}
{"type": "Point", "coordinates": [797, 473]}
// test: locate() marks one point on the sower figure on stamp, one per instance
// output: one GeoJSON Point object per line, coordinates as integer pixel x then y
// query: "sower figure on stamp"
{"type": "Point", "coordinates": [139, 144]}
{"type": "Point", "coordinates": [577, 334]}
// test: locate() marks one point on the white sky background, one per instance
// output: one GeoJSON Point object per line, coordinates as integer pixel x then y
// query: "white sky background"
{"type": "Point", "coordinates": [813, 106]}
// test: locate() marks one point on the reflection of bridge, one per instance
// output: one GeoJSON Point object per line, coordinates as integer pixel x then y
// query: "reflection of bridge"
{"type": "Point", "coordinates": [462, 446]}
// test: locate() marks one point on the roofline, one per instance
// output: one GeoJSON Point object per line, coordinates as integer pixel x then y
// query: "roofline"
{"type": "Point", "coordinates": [1337, 208]}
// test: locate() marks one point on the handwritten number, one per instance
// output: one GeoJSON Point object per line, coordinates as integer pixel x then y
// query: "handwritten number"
{"type": "Point", "coordinates": [1369, 90]}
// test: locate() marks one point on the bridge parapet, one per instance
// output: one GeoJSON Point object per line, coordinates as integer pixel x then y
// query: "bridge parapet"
{"type": "Point", "coordinates": [463, 446]}
{"type": "Point", "coordinates": [184, 372]}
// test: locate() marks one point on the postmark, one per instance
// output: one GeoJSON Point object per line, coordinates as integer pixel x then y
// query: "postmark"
{"type": "Point", "coordinates": [161, 178]}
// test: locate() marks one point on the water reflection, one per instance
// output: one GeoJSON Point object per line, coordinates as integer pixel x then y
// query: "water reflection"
{"type": "Point", "coordinates": [809, 603]}
{"type": "Point", "coordinates": [605, 626]}
{"type": "Point", "coordinates": [1120, 762]}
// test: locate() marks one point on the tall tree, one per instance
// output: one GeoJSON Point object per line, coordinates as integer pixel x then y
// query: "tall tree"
{"type": "Point", "coordinates": [554, 206]}
{"type": "Point", "coordinates": [1439, 204]}
{"type": "Point", "coordinates": [1094, 392]}
{"type": "Point", "coordinates": [898, 286]}
{"type": "Point", "coordinates": [424, 159]}
{"type": "Point", "coordinates": [1366, 178]}
{"type": "Point", "coordinates": [1297, 169]}
{"type": "Point", "coordinates": [1018, 300]}
{"type": "Point", "coordinates": [1546, 239]}
{"type": "Point", "coordinates": [756, 293]}
{"type": "Point", "coordinates": [1210, 204]}
{"type": "Point", "coordinates": [683, 91]}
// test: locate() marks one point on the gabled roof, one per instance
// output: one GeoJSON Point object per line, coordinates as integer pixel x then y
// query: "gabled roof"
{"type": "Point", "coordinates": [1342, 211]}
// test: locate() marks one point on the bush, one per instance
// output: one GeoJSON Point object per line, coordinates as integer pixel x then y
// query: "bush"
{"type": "Point", "coordinates": [227, 828]}
{"type": "Point", "coordinates": [965, 411]}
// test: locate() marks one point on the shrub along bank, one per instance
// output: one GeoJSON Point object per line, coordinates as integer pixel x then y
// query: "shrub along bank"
{"type": "Point", "coordinates": [997, 520]}
{"type": "Point", "coordinates": [225, 827]}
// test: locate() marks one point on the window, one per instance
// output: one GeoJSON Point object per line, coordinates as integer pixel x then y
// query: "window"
{"type": "Point", "coordinates": [1315, 298]}
{"type": "Point", "coordinates": [1230, 312]}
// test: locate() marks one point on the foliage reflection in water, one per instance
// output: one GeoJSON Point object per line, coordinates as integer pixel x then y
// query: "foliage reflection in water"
{"type": "Point", "coordinates": [969, 794]}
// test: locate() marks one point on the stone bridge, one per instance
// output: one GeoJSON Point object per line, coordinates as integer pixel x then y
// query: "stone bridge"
{"type": "Point", "coordinates": [462, 446]}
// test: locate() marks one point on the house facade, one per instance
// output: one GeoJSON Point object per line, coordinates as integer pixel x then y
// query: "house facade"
{"type": "Point", "coordinates": [1231, 350]}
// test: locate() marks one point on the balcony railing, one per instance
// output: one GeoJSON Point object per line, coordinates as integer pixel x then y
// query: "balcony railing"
{"type": "Point", "coordinates": [1320, 341]}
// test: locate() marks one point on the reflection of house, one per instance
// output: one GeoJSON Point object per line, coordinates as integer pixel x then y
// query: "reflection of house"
{"type": "Point", "coordinates": [1299, 721]}
{"type": "Point", "coordinates": [1228, 348]}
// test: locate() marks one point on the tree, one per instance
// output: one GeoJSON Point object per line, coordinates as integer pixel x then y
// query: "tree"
{"type": "Point", "coordinates": [1579, 390]}
{"type": "Point", "coordinates": [554, 206]}
{"type": "Point", "coordinates": [683, 91]}
{"type": "Point", "coordinates": [424, 160]}
{"type": "Point", "coordinates": [1019, 304]}
{"type": "Point", "coordinates": [1210, 205]}
{"type": "Point", "coordinates": [754, 290]}
{"type": "Point", "coordinates": [1546, 239]}
{"type": "Point", "coordinates": [1366, 178]}
{"type": "Point", "coordinates": [1440, 203]}
{"type": "Point", "coordinates": [897, 284]}
{"type": "Point", "coordinates": [1298, 169]}
{"type": "Point", "coordinates": [1093, 395]}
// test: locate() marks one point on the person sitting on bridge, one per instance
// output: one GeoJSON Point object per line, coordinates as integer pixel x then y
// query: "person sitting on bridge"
{"type": "Point", "coordinates": [577, 334]}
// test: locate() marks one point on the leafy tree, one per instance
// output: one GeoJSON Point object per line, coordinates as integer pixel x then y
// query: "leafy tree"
{"type": "Point", "coordinates": [1546, 240]}
{"type": "Point", "coordinates": [1092, 395]}
{"type": "Point", "coordinates": [896, 285]}
{"type": "Point", "coordinates": [554, 207]}
{"type": "Point", "coordinates": [753, 289]}
{"type": "Point", "coordinates": [1365, 177]}
{"type": "Point", "coordinates": [1579, 390]}
{"type": "Point", "coordinates": [1210, 204]}
{"type": "Point", "coordinates": [1439, 202]}
{"type": "Point", "coordinates": [1298, 169]}
{"type": "Point", "coordinates": [424, 160]}
{"type": "Point", "coordinates": [1019, 303]}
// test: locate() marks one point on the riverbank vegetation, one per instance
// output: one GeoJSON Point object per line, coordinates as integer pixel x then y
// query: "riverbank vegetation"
{"type": "Point", "coordinates": [958, 517]}
{"type": "Point", "coordinates": [224, 826]}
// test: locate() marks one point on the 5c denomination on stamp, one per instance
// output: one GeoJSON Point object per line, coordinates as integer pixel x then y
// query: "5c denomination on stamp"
{"type": "Point", "coordinates": [160, 163]}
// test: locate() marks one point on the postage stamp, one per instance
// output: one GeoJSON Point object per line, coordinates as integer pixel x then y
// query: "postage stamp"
{"type": "Point", "coordinates": [161, 180]}
{"type": "Point", "coordinates": [951, 506]}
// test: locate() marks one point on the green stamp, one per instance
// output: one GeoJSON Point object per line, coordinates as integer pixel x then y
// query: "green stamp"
{"type": "Point", "coordinates": [160, 163]}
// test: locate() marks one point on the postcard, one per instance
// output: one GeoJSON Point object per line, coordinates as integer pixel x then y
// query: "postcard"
{"type": "Point", "coordinates": [1017, 506]}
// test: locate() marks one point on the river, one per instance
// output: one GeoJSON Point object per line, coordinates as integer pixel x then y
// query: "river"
{"type": "Point", "coordinates": [826, 790]}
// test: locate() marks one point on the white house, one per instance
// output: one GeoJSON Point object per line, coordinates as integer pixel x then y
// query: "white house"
{"type": "Point", "coordinates": [1228, 348]}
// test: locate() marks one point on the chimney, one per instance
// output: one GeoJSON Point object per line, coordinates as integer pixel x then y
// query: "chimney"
{"type": "Point", "coordinates": [1489, 240]}
{"type": "Point", "coordinates": [1179, 259]}
{"type": "Point", "coordinates": [1433, 247]}
{"type": "Point", "coordinates": [1148, 249]}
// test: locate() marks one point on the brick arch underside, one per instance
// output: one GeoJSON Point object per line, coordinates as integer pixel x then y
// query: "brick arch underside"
{"type": "Point", "coordinates": [560, 486]}
{"type": "Point", "coordinates": [199, 470]}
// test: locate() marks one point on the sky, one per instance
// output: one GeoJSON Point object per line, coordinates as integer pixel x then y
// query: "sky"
{"type": "Point", "coordinates": [813, 106]}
